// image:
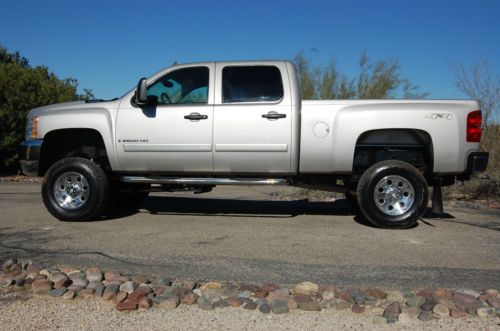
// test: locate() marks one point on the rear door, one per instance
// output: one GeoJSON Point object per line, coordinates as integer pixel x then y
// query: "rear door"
{"type": "Point", "coordinates": [252, 118]}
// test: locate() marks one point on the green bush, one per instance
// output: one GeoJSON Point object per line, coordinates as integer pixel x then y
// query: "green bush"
{"type": "Point", "coordinates": [22, 88]}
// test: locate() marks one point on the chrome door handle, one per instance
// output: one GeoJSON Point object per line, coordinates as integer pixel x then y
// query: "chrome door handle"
{"type": "Point", "coordinates": [272, 115]}
{"type": "Point", "coordinates": [195, 117]}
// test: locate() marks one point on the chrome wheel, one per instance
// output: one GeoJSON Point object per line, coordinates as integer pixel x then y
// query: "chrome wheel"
{"type": "Point", "coordinates": [394, 195]}
{"type": "Point", "coordinates": [71, 190]}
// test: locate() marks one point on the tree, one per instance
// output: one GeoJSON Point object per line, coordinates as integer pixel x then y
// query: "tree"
{"type": "Point", "coordinates": [22, 88]}
{"type": "Point", "coordinates": [478, 83]}
{"type": "Point", "coordinates": [481, 84]}
{"type": "Point", "coordinates": [378, 80]}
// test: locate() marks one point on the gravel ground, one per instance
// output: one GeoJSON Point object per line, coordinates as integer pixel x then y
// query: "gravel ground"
{"type": "Point", "coordinates": [22, 311]}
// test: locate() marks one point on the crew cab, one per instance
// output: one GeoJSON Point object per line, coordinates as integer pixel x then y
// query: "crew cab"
{"type": "Point", "coordinates": [195, 126]}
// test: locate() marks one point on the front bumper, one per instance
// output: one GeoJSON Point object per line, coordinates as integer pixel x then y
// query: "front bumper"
{"type": "Point", "coordinates": [477, 162]}
{"type": "Point", "coordinates": [29, 153]}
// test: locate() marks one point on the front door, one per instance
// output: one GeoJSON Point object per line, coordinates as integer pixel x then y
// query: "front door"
{"type": "Point", "coordinates": [252, 119]}
{"type": "Point", "coordinates": [174, 133]}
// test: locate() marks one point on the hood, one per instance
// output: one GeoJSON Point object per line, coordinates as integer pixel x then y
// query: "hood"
{"type": "Point", "coordinates": [75, 105]}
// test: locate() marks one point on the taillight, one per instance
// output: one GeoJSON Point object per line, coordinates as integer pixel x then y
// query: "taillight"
{"type": "Point", "coordinates": [474, 120]}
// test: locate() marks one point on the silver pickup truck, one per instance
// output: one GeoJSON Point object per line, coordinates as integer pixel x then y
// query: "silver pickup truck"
{"type": "Point", "coordinates": [199, 125]}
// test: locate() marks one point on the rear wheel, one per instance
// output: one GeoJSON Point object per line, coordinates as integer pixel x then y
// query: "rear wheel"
{"type": "Point", "coordinates": [392, 194]}
{"type": "Point", "coordinates": [75, 189]}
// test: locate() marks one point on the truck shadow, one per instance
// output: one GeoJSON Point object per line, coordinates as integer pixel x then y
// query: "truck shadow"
{"type": "Point", "coordinates": [242, 208]}
{"type": "Point", "coordinates": [245, 208]}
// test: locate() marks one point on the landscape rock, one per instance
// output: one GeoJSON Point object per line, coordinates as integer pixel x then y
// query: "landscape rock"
{"type": "Point", "coordinates": [234, 301]}
{"type": "Point", "coordinates": [441, 293]}
{"type": "Point", "coordinates": [145, 303]}
{"type": "Point", "coordinates": [265, 308]}
{"type": "Point", "coordinates": [120, 297]}
{"type": "Point", "coordinates": [427, 294]}
{"type": "Point", "coordinates": [75, 288]}
{"type": "Point", "coordinates": [376, 293]}
{"type": "Point", "coordinates": [58, 292]}
{"type": "Point", "coordinates": [80, 282]}
{"type": "Point", "coordinates": [447, 302]}
{"type": "Point", "coordinates": [249, 287]}
{"type": "Point", "coordinates": [392, 310]}
{"type": "Point", "coordinates": [33, 269]}
{"type": "Point", "coordinates": [77, 274]}
{"type": "Point", "coordinates": [211, 286]}
{"type": "Point", "coordinates": [111, 274]}
{"type": "Point", "coordinates": [140, 279]}
{"type": "Point", "coordinates": [245, 294]}
{"type": "Point", "coordinates": [95, 276]}
{"type": "Point", "coordinates": [126, 305]}
{"type": "Point", "coordinates": [171, 302]}
{"type": "Point", "coordinates": [457, 312]}
{"type": "Point", "coordinates": [57, 276]}
{"type": "Point", "coordinates": [41, 286]}
{"type": "Point", "coordinates": [357, 309]}
{"type": "Point", "coordinates": [189, 284]}
{"type": "Point", "coordinates": [441, 310]}
{"type": "Point", "coordinates": [493, 302]}
{"type": "Point", "coordinates": [189, 298]}
{"type": "Point", "coordinates": [62, 282]}
{"type": "Point", "coordinates": [473, 293]}
{"type": "Point", "coordinates": [128, 286]}
{"type": "Point", "coordinates": [395, 296]}
{"type": "Point", "coordinates": [270, 287]}
{"type": "Point", "coordinates": [359, 298]}
{"type": "Point", "coordinates": [307, 288]}
{"type": "Point", "coordinates": [99, 289]}
{"type": "Point", "coordinates": [19, 281]}
{"type": "Point", "coordinates": [414, 301]}
{"type": "Point", "coordinates": [425, 316]}
{"type": "Point", "coordinates": [327, 295]}
{"type": "Point", "coordinates": [485, 312]}
{"type": "Point", "coordinates": [279, 307]}
{"type": "Point", "coordinates": [8, 263]}
{"type": "Point", "coordinates": [205, 304]}
{"type": "Point", "coordinates": [69, 295]}
{"type": "Point", "coordinates": [428, 305]}
{"type": "Point", "coordinates": [309, 306]}
{"type": "Point", "coordinates": [250, 306]}
{"type": "Point", "coordinates": [260, 294]}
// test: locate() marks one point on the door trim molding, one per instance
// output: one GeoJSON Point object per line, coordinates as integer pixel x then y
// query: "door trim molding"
{"type": "Point", "coordinates": [251, 147]}
{"type": "Point", "coordinates": [167, 147]}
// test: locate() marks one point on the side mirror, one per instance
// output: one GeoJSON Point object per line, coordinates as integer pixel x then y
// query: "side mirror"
{"type": "Point", "coordinates": [141, 93]}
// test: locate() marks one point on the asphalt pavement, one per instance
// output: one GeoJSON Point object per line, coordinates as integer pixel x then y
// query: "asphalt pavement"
{"type": "Point", "coordinates": [245, 234]}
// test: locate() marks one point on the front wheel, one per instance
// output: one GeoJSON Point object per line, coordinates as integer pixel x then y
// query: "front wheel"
{"type": "Point", "coordinates": [75, 189]}
{"type": "Point", "coordinates": [392, 194]}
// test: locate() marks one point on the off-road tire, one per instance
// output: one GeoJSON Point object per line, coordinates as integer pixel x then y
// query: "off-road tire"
{"type": "Point", "coordinates": [374, 176]}
{"type": "Point", "coordinates": [96, 179]}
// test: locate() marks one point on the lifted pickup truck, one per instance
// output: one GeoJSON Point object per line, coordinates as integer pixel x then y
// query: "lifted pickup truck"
{"type": "Point", "coordinates": [196, 126]}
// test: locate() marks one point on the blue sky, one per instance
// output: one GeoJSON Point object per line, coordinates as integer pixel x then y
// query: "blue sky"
{"type": "Point", "coordinates": [109, 45]}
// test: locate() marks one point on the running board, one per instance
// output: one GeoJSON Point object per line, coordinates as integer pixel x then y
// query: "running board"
{"type": "Point", "coordinates": [203, 181]}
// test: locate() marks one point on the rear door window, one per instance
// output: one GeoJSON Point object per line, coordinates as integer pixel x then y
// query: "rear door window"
{"type": "Point", "coordinates": [251, 84]}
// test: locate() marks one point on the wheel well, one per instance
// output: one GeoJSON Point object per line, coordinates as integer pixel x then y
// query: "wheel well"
{"type": "Point", "coordinates": [409, 145]}
{"type": "Point", "coordinates": [59, 144]}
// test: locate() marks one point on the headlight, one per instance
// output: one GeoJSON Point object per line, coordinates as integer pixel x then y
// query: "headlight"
{"type": "Point", "coordinates": [31, 126]}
